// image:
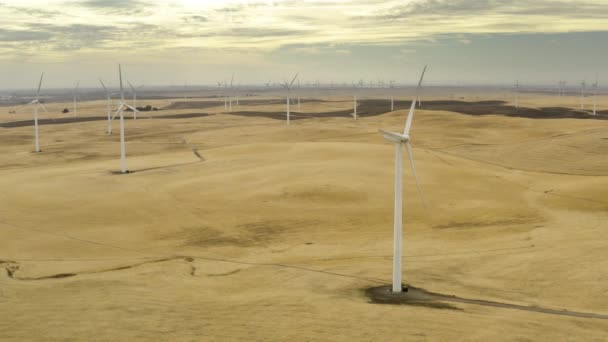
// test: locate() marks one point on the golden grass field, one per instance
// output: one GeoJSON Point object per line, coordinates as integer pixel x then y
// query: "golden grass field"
{"type": "Point", "coordinates": [277, 234]}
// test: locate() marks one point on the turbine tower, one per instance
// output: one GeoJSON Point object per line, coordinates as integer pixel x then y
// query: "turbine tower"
{"type": "Point", "coordinates": [288, 87]}
{"type": "Point", "coordinates": [230, 94]}
{"type": "Point", "coordinates": [400, 139]}
{"type": "Point", "coordinates": [36, 103]}
{"type": "Point", "coordinates": [108, 105]}
{"type": "Point", "coordinates": [219, 87]}
{"type": "Point", "coordinates": [595, 86]}
{"type": "Point", "coordinates": [355, 103]}
{"type": "Point", "coordinates": [120, 111]}
{"type": "Point", "coordinates": [299, 104]}
{"type": "Point", "coordinates": [134, 91]}
{"type": "Point", "coordinates": [583, 88]}
{"type": "Point", "coordinates": [517, 94]}
{"type": "Point", "coordinates": [75, 93]}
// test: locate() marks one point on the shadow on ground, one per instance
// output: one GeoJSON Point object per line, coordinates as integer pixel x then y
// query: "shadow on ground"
{"type": "Point", "coordinates": [69, 120]}
{"type": "Point", "coordinates": [420, 297]}
{"type": "Point", "coordinates": [368, 108]}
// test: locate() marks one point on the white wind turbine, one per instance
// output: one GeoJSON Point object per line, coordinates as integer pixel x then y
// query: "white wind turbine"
{"type": "Point", "coordinates": [355, 103]}
{"type": "Point", "coordinates": [392, 85]}
{"type": "Point", "coordinates": [595, 86]}
{"type": "Point", "coordinates": [108, 105]}
{"type": "Point", "coordinates": [583, 88]}
{"type": "Point", "coordinates": [120, 111]}
{"type": "Point", "coordinates": [237, 90]}
{"type": "Point", "coordinates": [299, 104]}
{"type": "Point", "coordinates": [517, 94]}
{"type": "Point", "coordinates": [289, 86]}
{"type": "Point", "coordinates": [36, 103]}
{"type": "Point", "coordinates": [134, 92]}
{"type": "Point", "coordinates": [400, 139]}
{"type": "Point", "coordinates": [230, 94]}
{"type": "Point", "coordinates": [75, 93]}
{"type": "Point", "coordinates": [219, 87]}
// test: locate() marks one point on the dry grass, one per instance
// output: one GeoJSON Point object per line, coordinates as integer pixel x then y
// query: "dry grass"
{"type": "Point", "coordinates": [277, 234]}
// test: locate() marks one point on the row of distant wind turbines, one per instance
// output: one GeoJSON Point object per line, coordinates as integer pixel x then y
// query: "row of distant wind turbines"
{"type": "Point", "coordinates": [399, 139]}
{"type": "Point", "coordinates": [561, 91]}
{"type": "Point", "coordinates": [230, 94]}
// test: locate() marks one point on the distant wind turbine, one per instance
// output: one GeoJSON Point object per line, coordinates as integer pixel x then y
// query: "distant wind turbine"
{"type": "Point", "coordinates": [219, 87]}
{"type": "Point", "coordinates": [288, 87]}
{"type": "Point", "coordinates": [355, 102]}
{"type": "Point", "coordinates": [134, 92]}
{"type": "Point", "coordinates": [583, 88]}
{"type": "Point", "coordinates": [75, 94]}
{"type": "Point", "coordinates": [36, 103]}
{"type": "Point", "coordinates": [299, 105]}
{"type": "Point", "coordinates": [400, 139]}
{"type": "Point", "coordinates": [108, 105]}
{"type": "Point", "coordinates": [595, 86]}
{"type": "Point", "coordinates": [120, 111]}
{"type": "Point", "coordinates": [517, 94]}
{"type": "Point", "coordinates": [230, 94]}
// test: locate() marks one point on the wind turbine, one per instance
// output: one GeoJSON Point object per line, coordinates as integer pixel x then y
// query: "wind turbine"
{"type": "Point", "coordinates": [355, 103]}
{"type": "Point", "coordinates": [120, 111]}
{"type": "Point", "coordinates": [108, 105]}
{"type": "Point", "coordinates": [595, 86]}
{"type": "Point", "coordinates": [219, 87]}
{"type": "Point", "coordinates": [299, 105]}
{"type": "Point", "coordinates": [583, 88]}
{"type": "Point", "coordinates": [74, 93]}
{"type": "Point", "coordinates": [289, 86]}
{"type": "Point", "coordinates": [517, 94]}
{"type": "Point", "coordinates": [230, 94]}
{"type": "Point", "coordinates": [400, 139]}
{"type": "Point", "coordinates": [134, 91]}
{"type": "Point", "coordinates": [36, 103]}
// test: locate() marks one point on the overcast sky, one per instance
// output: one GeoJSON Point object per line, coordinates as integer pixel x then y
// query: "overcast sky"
{"type": "Point", "coordinates": [203, 41]}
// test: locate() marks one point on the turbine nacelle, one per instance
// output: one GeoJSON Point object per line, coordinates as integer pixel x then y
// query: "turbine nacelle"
{"type": "Point", "coordinates": [394, 137]}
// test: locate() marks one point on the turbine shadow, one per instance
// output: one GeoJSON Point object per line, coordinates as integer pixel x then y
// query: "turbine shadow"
{"type": "Point", "coordinates": [420, 297]}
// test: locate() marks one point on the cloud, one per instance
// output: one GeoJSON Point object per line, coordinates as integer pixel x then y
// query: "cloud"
{"type": "Point", "coordinates": [468, 8]}
{"type": "Point", "coordinates": [111, 4]}
{"type": "Point", "coordinates": [22, 35]}
{"type": "Point", "coordinates": [166, 25]}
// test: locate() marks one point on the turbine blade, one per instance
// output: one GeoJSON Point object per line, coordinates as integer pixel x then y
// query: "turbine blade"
{"type": "Point", "coordinates": [294, 79]}
{"type": "Point", "coordinates": [131, 108]}
{"type": "Point", "coordinates": [76, 87]}
{"type": "Point", "coordinates": [410, 115]}
{"type": "Point", "coordinates": [41, 106]}
{"type": "Point", "coordinates": [411, 158]}
{"type": "Point", "coordinates": [39, 86]}
{"type": "Point", "coordinates": [117, 110]}
{"type": "Point", "coordinates": [122, 92]}
{"type": "Point", "coordinates": [130, 85]}
{"type": "Point", "coordinates": [422, 77]}
{"type": "Point", "coordinates": [103, 85]}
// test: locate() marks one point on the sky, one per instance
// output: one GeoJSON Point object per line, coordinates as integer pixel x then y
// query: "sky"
{"type": "Point", "coordinates": [197, 42]}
